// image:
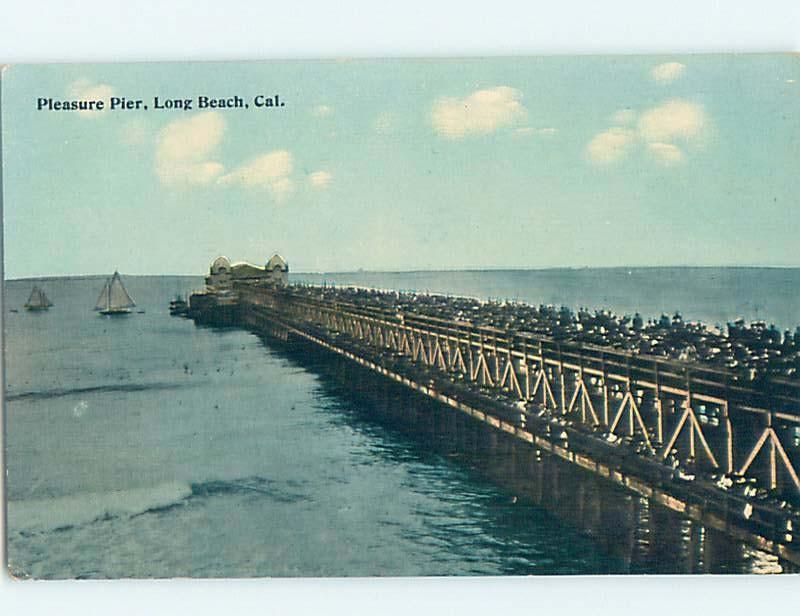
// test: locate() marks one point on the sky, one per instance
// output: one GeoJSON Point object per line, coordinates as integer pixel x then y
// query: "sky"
{"type": "Point", "coordinates": [406, 164]}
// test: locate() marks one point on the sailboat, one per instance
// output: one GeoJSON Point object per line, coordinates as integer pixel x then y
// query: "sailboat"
{"type": "Point", "coordinates": [114, 299]}
{"type": "Point", "coordinates": [38, 300]}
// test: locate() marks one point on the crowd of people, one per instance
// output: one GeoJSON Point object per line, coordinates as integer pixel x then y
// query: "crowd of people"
{"type": "Point", "coordinates": [751, 351]}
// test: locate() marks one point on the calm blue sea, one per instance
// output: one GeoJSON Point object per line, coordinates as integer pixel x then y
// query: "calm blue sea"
{"type": "Point", "coordinates": [146, 446]}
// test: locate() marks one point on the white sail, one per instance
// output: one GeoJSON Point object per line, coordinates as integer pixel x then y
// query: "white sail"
{"type": "Point", "coordinates": [103, 301]}
{"type": "Point", "coordinates": [44, 302]}
{"type": "Point", "coordinates": [38, 299]}
{"type": "Point", "coordinates": [119, 297]}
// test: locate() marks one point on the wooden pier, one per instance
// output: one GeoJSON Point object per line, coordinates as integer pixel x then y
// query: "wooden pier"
{"type": "Point", "coordinates": [701, 441]}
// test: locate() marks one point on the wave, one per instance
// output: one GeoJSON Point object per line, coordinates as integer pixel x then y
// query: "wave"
{"type": "Point", "coordinates": [258, 485]}
{"type": "Point", "coordinates": [77, 391]}
{"type": "Point", "coordinates": [61, 513]}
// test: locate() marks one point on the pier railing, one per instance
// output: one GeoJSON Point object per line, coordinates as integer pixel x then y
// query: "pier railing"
{"type": "Point", "coordinates": [684, 413]}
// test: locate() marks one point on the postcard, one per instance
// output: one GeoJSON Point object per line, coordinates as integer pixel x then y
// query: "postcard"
{"type": "Point", "coordinates": [467, 317]}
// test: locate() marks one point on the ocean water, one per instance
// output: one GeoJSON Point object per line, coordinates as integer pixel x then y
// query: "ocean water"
{"type": "Point", "coordinates": [146, 446]}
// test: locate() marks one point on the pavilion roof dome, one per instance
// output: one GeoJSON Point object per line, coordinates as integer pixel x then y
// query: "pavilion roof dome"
{"type": "Point", "coordinates": [277, 260]}
{"type": "Point", "coordinates": [220, 263]}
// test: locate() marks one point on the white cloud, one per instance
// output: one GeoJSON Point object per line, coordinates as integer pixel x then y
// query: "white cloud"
{"type": "Point", "coordinates": [83, 89]}
{"type": "Point", "coordinates": [663, 131]}
{"type": "Point", "coordinates": [185, 147]}
{"type": "Point", "coordinates": [667, 72]}
{"type": "Point", "coordinates": [480, 113]}
{"type": "Point", "coordinates": [675, 119]}
{"type": "Point", "coordinates": [611, 145]}
{"type": "Point", "coordinates": [320, 179]}
{"type": "Point", "coordinates": [321, 111]}
{"type": "Point", "coordinates": [270, 171]}
{"type": "Point", "coordinates": [186, 150]}
{"type": "Point", "coordinates": [666, 153]}
{"type": "Point", "coordinates": [547, 131]}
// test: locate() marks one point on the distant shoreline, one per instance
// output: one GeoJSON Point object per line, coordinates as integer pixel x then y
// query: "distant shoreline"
{"type": "Point", "coordinates": [468, 270]}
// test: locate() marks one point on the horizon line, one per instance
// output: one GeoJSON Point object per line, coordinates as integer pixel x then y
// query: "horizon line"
{"type": "Point", "coordinates": [520, 268]}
